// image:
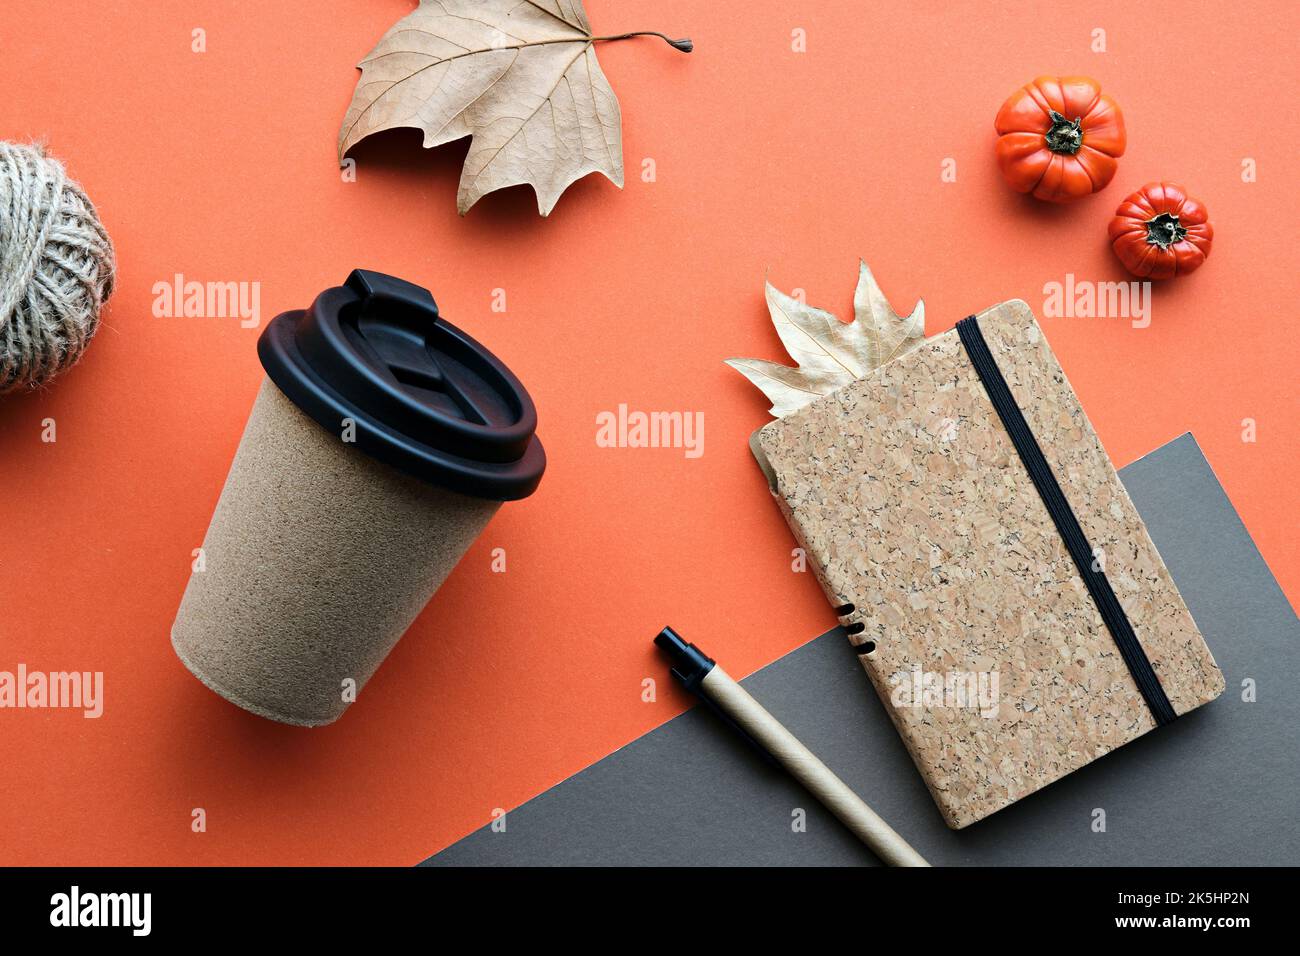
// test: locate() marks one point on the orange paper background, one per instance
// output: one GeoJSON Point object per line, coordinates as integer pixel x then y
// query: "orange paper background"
{"type": "Point", "coordinates": [220, 165]}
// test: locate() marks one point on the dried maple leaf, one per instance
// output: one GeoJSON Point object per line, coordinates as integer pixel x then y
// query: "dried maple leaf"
{"type": "Point", "coordinates": [830, 353]}
{"type": "Point", "coordinates": [519, 76]}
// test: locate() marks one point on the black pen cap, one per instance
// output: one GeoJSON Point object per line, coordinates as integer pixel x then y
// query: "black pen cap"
{"type": "Point", "coordinates": [689, 663]}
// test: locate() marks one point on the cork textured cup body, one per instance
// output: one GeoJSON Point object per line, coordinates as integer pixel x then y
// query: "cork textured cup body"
{"type": "Point", "coordinates": [317, 560]}
{"type": "Point", "coordinates": [382, 442]}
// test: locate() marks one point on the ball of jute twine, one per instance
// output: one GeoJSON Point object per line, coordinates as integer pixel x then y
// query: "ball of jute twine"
{"type": "Point", "coordinates": [56, 268]}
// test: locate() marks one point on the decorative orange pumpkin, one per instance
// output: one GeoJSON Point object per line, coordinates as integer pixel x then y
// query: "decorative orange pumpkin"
{"type": "Point", "coordinates": [1059, 138]}
{"type": "Point", "coordinates": [1160, 232]}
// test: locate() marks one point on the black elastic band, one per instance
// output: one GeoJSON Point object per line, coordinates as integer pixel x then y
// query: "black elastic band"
{"type": "Point", "coordinates": [1066, 524]}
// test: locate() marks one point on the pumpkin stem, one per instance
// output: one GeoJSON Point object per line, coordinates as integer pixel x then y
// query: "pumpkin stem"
{"type": "Point", "coordinates": [1165, 230]}
{"type": "Point", "coordinates": [1065, 136]}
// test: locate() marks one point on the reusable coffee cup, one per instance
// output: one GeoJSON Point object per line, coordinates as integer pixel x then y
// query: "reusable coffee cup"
{"type": "Point", "coordinates": [382, 442]}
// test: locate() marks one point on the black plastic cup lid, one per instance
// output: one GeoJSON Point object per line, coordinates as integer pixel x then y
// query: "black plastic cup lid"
{"type": "Point", "coordinates": [424, 397]}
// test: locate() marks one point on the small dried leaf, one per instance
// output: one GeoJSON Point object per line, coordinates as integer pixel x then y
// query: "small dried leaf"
{"type": "Point", "coordinates": [830, 353]}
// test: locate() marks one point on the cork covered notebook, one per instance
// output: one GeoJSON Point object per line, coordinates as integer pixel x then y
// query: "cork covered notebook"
{"type": "Point", "coordinates": [998, 584]}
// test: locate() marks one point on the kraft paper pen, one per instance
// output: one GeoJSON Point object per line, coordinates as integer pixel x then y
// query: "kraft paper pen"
{"type": "Point", "coordinates": [702, 676]}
